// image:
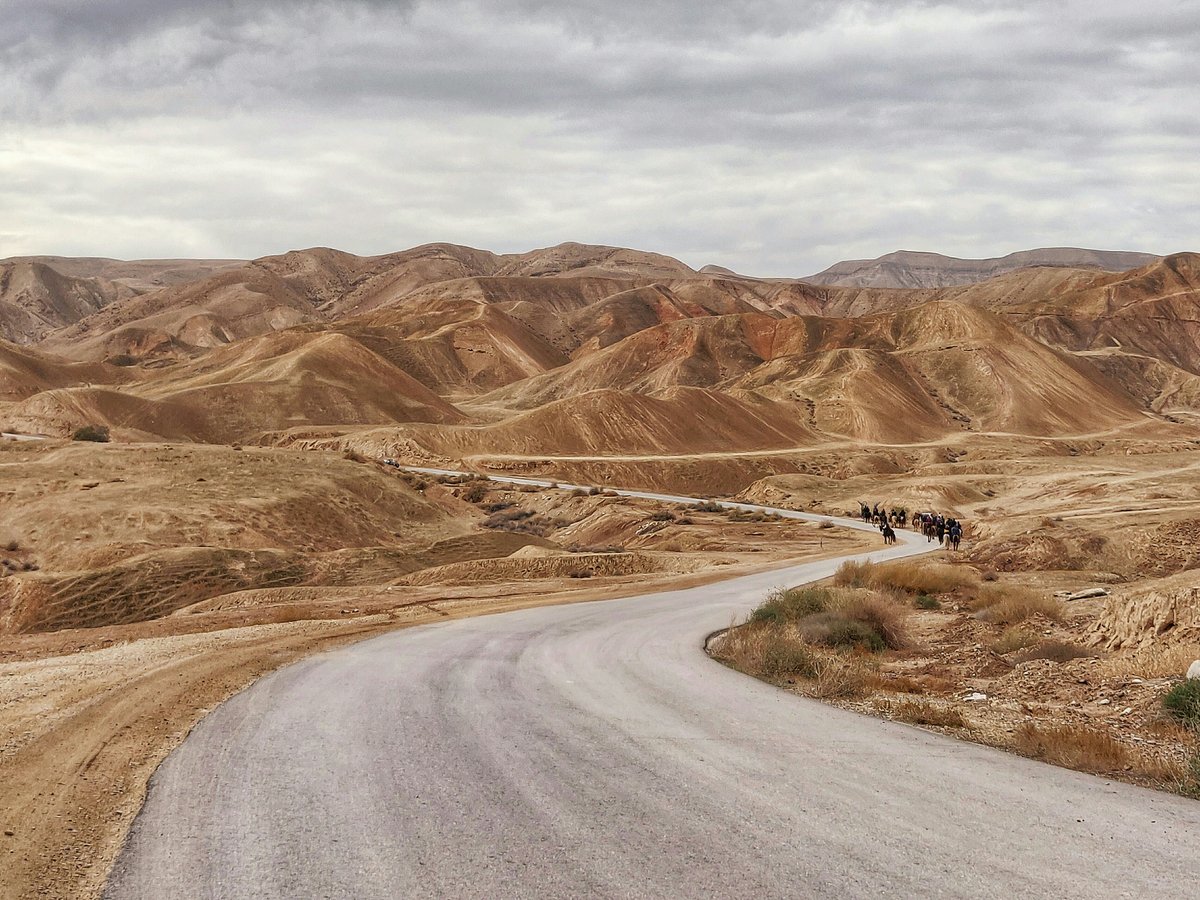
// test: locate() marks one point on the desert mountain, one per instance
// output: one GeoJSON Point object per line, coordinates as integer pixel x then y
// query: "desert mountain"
{"type": "Point", "coordinates": [910, 269]}
{"type": "Point", "coordinates": [578, 349]}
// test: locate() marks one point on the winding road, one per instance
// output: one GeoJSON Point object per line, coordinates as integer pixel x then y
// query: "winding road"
{"type": "Point", "coordinates": [593, 750]}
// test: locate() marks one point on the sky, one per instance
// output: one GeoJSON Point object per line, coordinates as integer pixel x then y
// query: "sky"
{"type": "Point", "coordinates": [774, 138]}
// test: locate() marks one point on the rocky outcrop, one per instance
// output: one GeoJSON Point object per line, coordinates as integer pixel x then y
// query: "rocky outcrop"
{"type": "Point", "coordinates": [1164, 610]}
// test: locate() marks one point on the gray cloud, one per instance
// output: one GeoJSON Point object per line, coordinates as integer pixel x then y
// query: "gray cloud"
{"type": "Point", "coordinates": [773, 137]}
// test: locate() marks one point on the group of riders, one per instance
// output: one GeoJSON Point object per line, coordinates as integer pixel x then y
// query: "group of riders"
{"type": "Point", "coordinates": [945, 529]}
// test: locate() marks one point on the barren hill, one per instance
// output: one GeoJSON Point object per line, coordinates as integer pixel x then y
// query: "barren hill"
{"type": "Point", "coordinates": [467, 351]}
{"type": "Point", "coordinates": [911, 269]}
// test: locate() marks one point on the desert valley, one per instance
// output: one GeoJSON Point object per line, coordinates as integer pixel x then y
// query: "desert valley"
{"type": "Point", "coordinates": [209, 471]}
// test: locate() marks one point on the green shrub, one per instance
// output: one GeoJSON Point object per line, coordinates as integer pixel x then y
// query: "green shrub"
{"type": "Point", "coordinates": [1183, 702]}
{"type": "Point", "coordinates": [924, 601]}
{"type": "Point", "coordinates": [791, 605]}
{"type": "Point", "coordinates": [96, 433]}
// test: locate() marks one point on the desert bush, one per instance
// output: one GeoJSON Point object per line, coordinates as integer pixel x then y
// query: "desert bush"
{"type": "Point", "coordinates": [1056, 651]}
{"type": "Point", "coordinates": [685, 520]}
{"type": "Point", "coordinates": [840, 678]}
{"type": "Point", "coordinates": [475, 491]}
{"type": "Point", "coordinates": [13, 546]}
{"type": "Point", "coordinates": [791, 605]}
{"type": "Point", "coordinates": [824, 524]}
{"type": "Point", "coordinates": [354, 456]}
{"type": "Point", "coordinates": [1012, 639]}
{"type": "Point", "coordinates": [835, 619]}
{"type": "Point", "coordinates": [96, 433]}
{"type": "Point", "coordinates": [122, 359]}
{"type": "Point", "coordinates": [766, 652]}
{"type": "Point", "coordinates": [924, 601]}
{"type": "Point", "coordinates": [707, 506]}
{"type": "Point", "coordinates": [835, 629]}
{"type": "Point", "coordinates": [989, 575]}
{"type": "Point", "coordinates": [920, 712]}
{"type": "Point", "coordinates": [907, 576]}
{"type": "Point", "coordinates": [594, 492]}
{"type": "Point", "coordinates": [498, 505]}
{"type": "Point", "coordinates": [1073, 746]}
{"type": "Point", "coordinates": [663, 515]}
{"type": "Point", "coordinates": [1183, 702]}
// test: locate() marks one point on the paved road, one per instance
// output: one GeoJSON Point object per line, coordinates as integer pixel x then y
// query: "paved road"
{"type": "Point", "coordinates": [594, 751]}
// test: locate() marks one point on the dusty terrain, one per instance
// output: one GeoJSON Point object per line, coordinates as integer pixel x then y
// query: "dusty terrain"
{"type": "Point", "coordinates": [242, 515]}
{"type": "Point", "coordinates": [148, 582]}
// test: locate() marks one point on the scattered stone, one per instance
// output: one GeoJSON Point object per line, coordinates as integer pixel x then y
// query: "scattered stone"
{"type": "Point", "coordinates": [1194, 670]}
{"type": "Point", "coordinates": [1105, 702]}
{"type": "Point", "coordinates": [1088, 594]}
{"type": "Point", "coordinates": [1127, 710]}
{"type": "Point", "coordinates": [975, 697]}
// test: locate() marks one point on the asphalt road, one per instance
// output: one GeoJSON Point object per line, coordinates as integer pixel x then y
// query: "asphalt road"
{"type": "Point", "coordinates": [593, 750]}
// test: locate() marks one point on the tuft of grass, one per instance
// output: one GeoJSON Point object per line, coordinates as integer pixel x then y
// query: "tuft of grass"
{"type": "Point", "coordinates": [1008, 604]}
{"type": "Point", "coordinates": [924, 601]}
{"type": "Point", "coordinates": [905, 575]}
{"type": "Point", "coordinates": [1056, 651]}
{"type": "Point", "coordinates": [1073, 746]}
{"type": "Point", "coordinates": [1013, 638]}
{"type": "Point", "coordinates": [921, 712]}
{"type": "Point", "coordinates": [1183, 702]}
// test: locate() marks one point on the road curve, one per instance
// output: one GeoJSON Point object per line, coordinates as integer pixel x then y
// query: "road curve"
{"type": "Point", "coordinates": [593, 750]}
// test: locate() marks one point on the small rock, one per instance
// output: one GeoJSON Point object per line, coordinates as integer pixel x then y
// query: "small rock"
{"type": "Point", "coordinates": [1088, 594]}
{"type": "Point", "coordinates": [8, 833]}
{"type": "Point", "coordinates": [1105, 702]}
{"type": "Point", "coordinates": [975, 697]}
{"type": "Point", "coordinates": [1194, 670]}
{"type": "Point", "coordinates": [1127, 710]}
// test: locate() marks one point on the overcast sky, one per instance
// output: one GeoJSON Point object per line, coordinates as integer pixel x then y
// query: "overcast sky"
{"type": "Point", "coordinates": [771, 137]}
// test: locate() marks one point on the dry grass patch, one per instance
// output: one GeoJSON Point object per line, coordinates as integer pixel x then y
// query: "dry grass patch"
{"type": "Point", "coordinates": [1012, 639]}
{"type": "Point", "coordinates": [1056, 651]}
{"type": "Point", "coordinates": [1008, 605]}
{"type": "Point", "coordinates": [1072, 746]}
{"type": "Point", "coordinates": [766, 651]}
{"type": "Point", "coordinates": [910, 577]}
{"type": "Point", "coordinates": [921, 712]}
{"type": "Point", "coordinates": [1152, 662]}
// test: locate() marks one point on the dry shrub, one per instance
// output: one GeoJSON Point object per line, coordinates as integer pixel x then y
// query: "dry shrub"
{"type": "Point", "coordinates": [1013, 638]}
{"type": "Point", "coordinates": [1008, 604]}
{"type": "Point", "coordinates": [921, 712]}
{"type": "Point", "coordinates": [765, 651]}
{"type": "Point", "coordinates": [1152, 662]}
{"type": "Point", "coordinates": [840, 677]}
{"type": "Point", "coordinates": [836, 618]}
{"type": "Point", "coordinates": [1055, 651]}
{"type": "Point", "coordinates": [883, 617]}
{"type": "Point", "coordinates": [905, 575]}
{"type": "Point", "coordinates": [1073, 746]}
{"type": "Point", "coordinates": [899, 684]}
